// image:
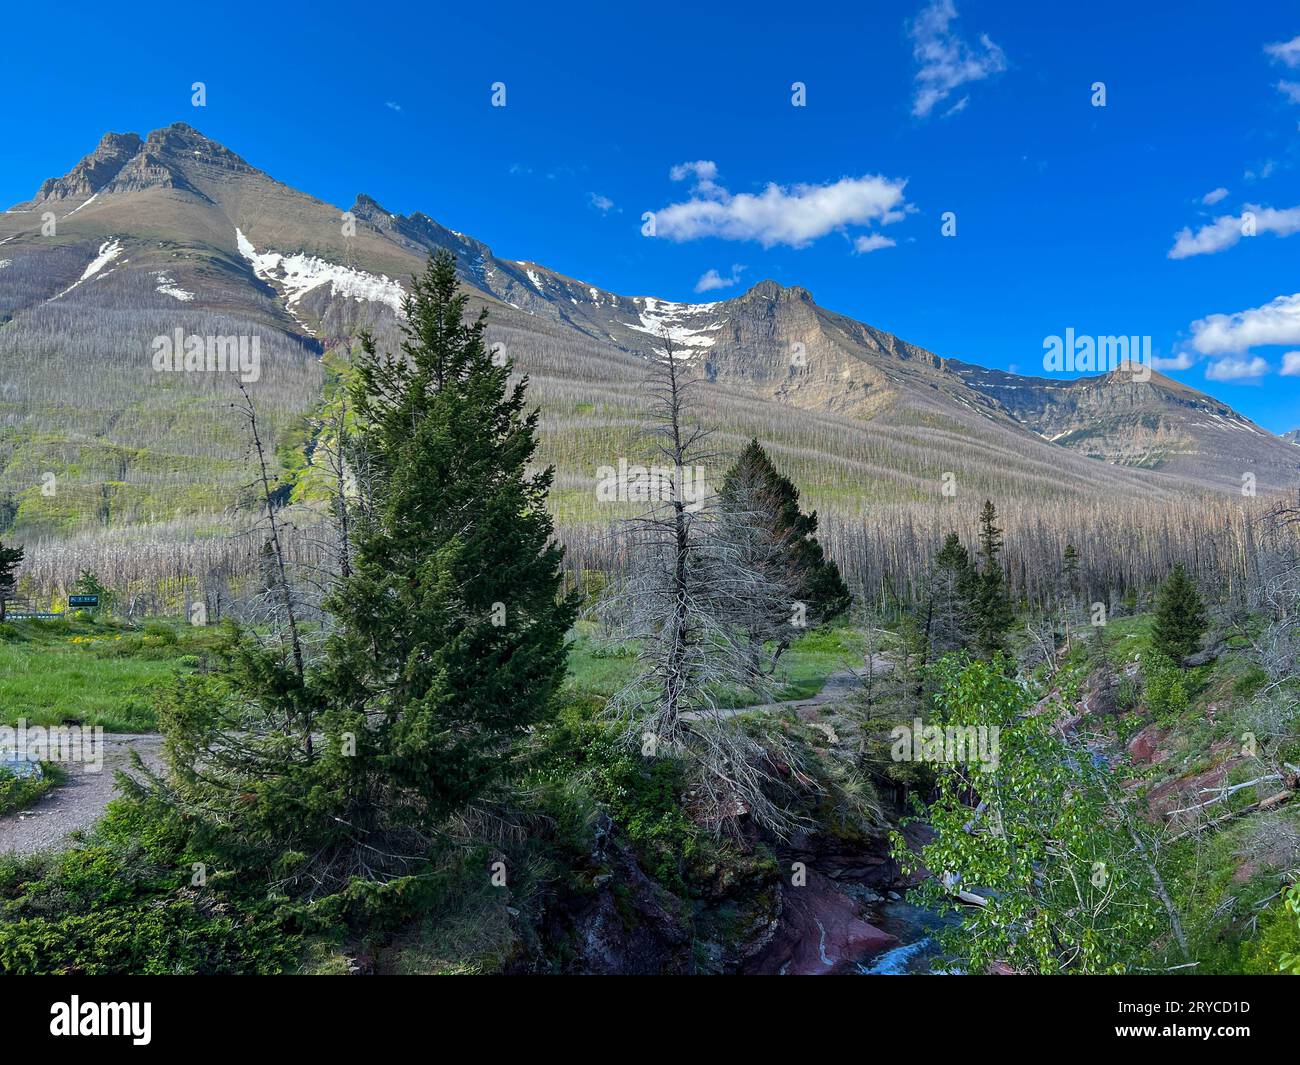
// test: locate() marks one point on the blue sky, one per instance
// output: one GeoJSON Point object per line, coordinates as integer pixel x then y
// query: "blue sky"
{"type": "Point", "coordinates": [1066, 213]}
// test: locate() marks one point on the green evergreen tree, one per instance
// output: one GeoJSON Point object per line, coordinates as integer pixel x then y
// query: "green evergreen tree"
{"type": "Point", "coordinates": [10, 559]}
{"type": "Point", "coordinates": [1180, 616]}
{"type": "Point", "coordinates": [990, 604]}
{"type": "Point", "coordinates": [952, 588]}
{"type": "Point", "coordinates": [446, 641]}
{"type": "Point", "coordinates": [451, 625]}
{"type": "Point", "coordinates": [754, 482]}
{"type": "Point", "coordinates": [1071, 586]}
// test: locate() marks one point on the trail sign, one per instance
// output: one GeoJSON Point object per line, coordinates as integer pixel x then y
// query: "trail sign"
{"type": "Point", "coordinates": [83, 602]}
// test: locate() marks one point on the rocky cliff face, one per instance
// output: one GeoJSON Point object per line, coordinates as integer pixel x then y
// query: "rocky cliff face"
{"type": "Point", "coordinates": [92, 174]}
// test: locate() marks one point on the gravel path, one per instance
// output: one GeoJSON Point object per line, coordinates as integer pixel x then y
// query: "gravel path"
{"type": "Point", "coordinates": [80, 801]}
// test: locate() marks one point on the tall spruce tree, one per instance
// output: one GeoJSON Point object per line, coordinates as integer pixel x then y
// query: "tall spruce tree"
{"type": "Point", "coordinates": [1071, 587]}
{"type": "Point", "coordinates": [990, 604]}
{"type": "Point", "coordinates": [10, 559]}
{"type": "Point", "coordinates": [446, 633]}
{"type": "Point", "coordinates": [949, 613]}
{"type": "Point", "coordinates": [753, 482]}
{"type": "Point", "coordinates": [451, 624]}
{"type": "Point", "coordinates": [1180, 616]}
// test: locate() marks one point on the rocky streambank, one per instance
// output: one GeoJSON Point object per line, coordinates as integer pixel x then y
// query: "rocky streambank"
{"type": "Point", "coordinates": [817, 906]}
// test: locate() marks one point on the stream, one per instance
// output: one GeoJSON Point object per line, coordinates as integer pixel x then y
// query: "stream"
{"type": "Point", "coordinates": [917, 950]}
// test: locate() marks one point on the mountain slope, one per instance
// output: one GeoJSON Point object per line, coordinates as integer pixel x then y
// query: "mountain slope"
{"type": "Point", "coordinates": [1155, 424]}
{"type": "Point", "coordinates": [175, 231]}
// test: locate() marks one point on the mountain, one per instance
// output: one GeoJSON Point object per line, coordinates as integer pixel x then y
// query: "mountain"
{"type": "Point", "coordinates": [1155, 424]}
{"type": "Point", "coordinates": [1292, 437]}
{"type": "Point", "coordinates": [143, 237]}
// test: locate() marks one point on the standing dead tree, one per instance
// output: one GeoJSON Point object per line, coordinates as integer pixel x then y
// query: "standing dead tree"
{"type": "Point", "coordinates": [1277, 646]}
{"type": "Point", "coordinates": [278, 583]}
{"type": "Point", "coordinates": [690, 583]}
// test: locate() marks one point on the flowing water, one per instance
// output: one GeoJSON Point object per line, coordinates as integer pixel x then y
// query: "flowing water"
{"type": "Point", "coordinates": [917, 950]}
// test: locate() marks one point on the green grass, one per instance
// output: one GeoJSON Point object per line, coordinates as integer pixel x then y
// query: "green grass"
{"type": "Point", "coordinates": [18, 793]}
{"type": "Point", "coordinates": [101, 673]}
{"type": "Point", "coordinates": [600, 668]}
{"type": "Point", "coordinates": [92, 673]}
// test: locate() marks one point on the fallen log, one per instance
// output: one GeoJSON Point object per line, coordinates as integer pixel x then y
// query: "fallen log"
{"type": "Point", "coordinates": [1272, 802]}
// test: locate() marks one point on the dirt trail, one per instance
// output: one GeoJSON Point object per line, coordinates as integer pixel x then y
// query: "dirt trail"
{"type": "Point", "coordinates": [79, 802]}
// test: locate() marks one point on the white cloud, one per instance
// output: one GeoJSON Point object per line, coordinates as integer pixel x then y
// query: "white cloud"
{"type": "Point", "coordinates": [1265, 170]}
{"type": "Point", "coordinates": [1236, 368]}
{"type": "Point", "coordinates": [873, 242]}
{"type": "Point", "coordinates": [1182, 361]}
{"type": "Point", "coordinates": [1228, 230]}
{"type": "Point", "coordinates": [1290, 89]}
{"type": "Point", "coordinates": [1291, 360]}
{"type": "Point", "coordinates": [1277, 322]}
{"type": "Point", "coordinates": [392, 106]}
{"type": "Point", "coordinates": [603, 204]}
{"type": "Point", "coordinates": [945, 61]}
{"type": "Point", "coordinates": [1214, 196]}
{"type": "Point", "coordinates": [1285, 52]}
{"type": "Point", "coordinates": [711, 280]}
{"type": "Point", "coordinates": [794, 215]}
{"type": "Point", "coordinates": [704, 171]}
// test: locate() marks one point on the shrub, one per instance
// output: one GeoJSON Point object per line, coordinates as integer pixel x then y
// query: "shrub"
{"type": "Point", "coordinates": [161, 631]}
{"type": "Point", "coordinates": [123, 903]}
{"type": "Point", "coordinates": [1166, 689]}
{"type": "Point", "coordinates": [18, 792]}
{"type": "Point", "coordinates": [1276, 950]}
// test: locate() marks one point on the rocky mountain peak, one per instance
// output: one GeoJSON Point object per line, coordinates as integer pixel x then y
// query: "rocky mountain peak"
{"type": "Point", "coordinates": [772, 291]}
{"type": "Point", "coordinates": [185, 142]}
{"type": "Point", "coordinates": [123, 162]}
{"type": "Point", "coordinates": [93, 172]}
{"type": "Point", "coordinates": [368, 209]}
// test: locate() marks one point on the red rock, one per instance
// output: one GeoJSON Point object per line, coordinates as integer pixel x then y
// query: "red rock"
{"type": "Point", "coordinates": [1144, 746]}
{"type": "Point", "coordinates": [821, 932]}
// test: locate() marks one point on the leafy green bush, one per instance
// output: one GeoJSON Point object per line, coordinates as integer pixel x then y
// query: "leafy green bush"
{"type": "Point", "coordinates": [1166, 688]}
{"type": "Point", "coordinates": [643, 795]}
{"type": "Point", "coordinates": [161, 631]}
{"type": "Point", "coordinates": [1276, 950]}
{"type": "Point", "coordinates": [17, 793]}
{"type": "Point", "coordinates": [124, 902]}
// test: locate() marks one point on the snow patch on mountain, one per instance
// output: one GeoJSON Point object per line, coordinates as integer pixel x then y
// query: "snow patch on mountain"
{"type": "Point", "coordinates": [1232, 422]}
{"type": "Point", "coordinates": [298, 274]}
{"type": "Point", "coordinates": [88, 202]}
{"type": "Point", "coordinates": [168, 288]}
{"type": "Point", "coordinates": [108, 251]}
{"type": "Point", "coordinates": [677, 322]}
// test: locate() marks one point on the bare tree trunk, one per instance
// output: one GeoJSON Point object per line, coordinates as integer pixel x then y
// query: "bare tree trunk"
{"type": "Point", "coordinates": [678, 678]}
{"type": "Point", "coordinates": [286, 598]}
